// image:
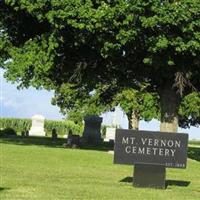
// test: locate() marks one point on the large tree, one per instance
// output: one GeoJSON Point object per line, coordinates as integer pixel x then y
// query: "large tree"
{"type": "Point", "coordinates": [116, 43]}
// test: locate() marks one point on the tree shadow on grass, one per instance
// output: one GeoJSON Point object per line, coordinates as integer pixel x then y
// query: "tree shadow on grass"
{"type": "Point", "coordinates": [193, 152]}
{"type": "Point", "coordinates": [104, 146]}
{"type": "Point", "coordinates": [43, 141]}
{"type": "Point", "coordinates": [49, 142]}
{"type": "Point", "coordinates": [167, 182]}
{"type": "Point", "coordinates": [4, 188]}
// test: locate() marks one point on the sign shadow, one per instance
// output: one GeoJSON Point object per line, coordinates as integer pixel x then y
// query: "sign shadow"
{"type": "Point", "coordinates": [127, 179]}
{"type": "Point", "coordinates": [179, 183]}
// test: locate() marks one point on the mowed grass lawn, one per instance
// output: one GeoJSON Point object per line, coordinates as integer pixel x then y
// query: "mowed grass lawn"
{"type": "Point", "coordinates": [38, 172]}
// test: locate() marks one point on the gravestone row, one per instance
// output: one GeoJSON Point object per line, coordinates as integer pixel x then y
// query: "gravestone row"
{"type": "Point", "coordinates": [91, 133]}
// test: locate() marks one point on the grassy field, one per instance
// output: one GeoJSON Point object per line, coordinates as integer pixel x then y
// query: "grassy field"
{"type": "Point", "coordinates": [36, 170]}
{"type": "Point", "coordinates": [195, 143]}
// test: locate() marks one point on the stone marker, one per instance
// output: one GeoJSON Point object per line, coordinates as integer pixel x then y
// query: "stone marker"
{"type": "Point", "coordinates": [37, 128]}
{"type": "Point", "coordinates": [26, 133]}
{"type": "Point", "coordinates": [110, 131]}
{"type": "Point", "coordinates": [54, 134]}
{"type": "Point", "coordinates": [65, 136]}
{"type": "Point", "coordinates": [73, 141]}
{"type": "Point", "coordinates": [110, 134]}
{"type": "Point", "coordinates": [151, 153]}
{"type": "Point", "coordinates": [23, 133]}
{"type": "Point", "coordinates": [91, 133]}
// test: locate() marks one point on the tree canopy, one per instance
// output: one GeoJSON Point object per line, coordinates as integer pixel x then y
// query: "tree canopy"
{"type": "Point", "coordinates": [76, 103]}
{"type": "Point", "coordinates": [117, 43]}
{"type": "Point", "coordinates": [138, 105]}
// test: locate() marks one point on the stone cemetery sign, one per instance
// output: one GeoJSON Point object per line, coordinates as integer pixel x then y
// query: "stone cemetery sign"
{"type": "Point", "coordinates": [37, 128]}
{"type": "Point", "coordinates": [144, 147]}
{"type": "Point", "coordinates": [155, 150]}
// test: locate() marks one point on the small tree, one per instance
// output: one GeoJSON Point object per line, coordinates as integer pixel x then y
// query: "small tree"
{"type": "Point", "coordinates": [137, 105]}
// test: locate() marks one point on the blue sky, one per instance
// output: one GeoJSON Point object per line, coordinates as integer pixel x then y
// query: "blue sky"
{"type": "Point", "coordinates": [28, 102]}
{"type": "Point", "coordinates": [25, 103]}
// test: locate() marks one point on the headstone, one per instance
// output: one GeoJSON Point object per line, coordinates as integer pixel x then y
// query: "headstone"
{"type": "Point", "coordinates": [91, 133]}
{"type": "Point", "coordinates": [110, 134]}
{"type": "Point", "coordinates": [151, 153]}
{"type": "Point", "coordinates": [54, 135]}
{"type": "Point", "coordinates": [26, 133]}
{"type": "Point", "coordinates": [37, 128]}
{"type": "Point", "coordinates": [73, 141]}
{"type": "Point", "coordinates": [69, 139]}
{"type": "Point", "coordinates": [23, 133]}
{"type": "Point", "coordinates": [65, 136]}
{"type": "Point", "coordinates": [110, 131]}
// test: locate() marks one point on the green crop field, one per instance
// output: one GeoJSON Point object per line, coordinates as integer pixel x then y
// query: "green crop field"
{"type": "Point", "coordinates": [46, 171]}
{"type": "Point", "coordinates": [194, 143]}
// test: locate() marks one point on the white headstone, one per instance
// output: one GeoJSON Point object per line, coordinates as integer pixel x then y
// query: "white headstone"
{"type": "Point", "coordinates": [110, 134]}
{"type": "Point", "coordinates": [37, 128]}
{"type": "Point", "coordinates": [65, 136]}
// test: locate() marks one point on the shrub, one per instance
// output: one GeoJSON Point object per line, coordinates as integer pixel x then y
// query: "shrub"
{"type": "Point", "coordinates": [8, 132]}
{"type": "Point", "coordinates": [194, 153]}
{"type": "Point", "coordinates": [18, 125]}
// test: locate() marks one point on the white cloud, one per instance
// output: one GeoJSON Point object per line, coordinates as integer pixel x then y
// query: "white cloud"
{"type": "Point", "coordinates": [27, 102]}
{"type": "Point", "coordinates": [10, 103]}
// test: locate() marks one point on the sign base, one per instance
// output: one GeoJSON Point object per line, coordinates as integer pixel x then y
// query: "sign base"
{"type": "Point", "coordinates": [152, 176]}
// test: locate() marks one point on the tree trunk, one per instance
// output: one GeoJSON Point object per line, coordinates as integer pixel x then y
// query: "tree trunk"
{"type": "Point", "coordinates": [133, 120]}
{"type": "Point", "coordinates": [169, 109]}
